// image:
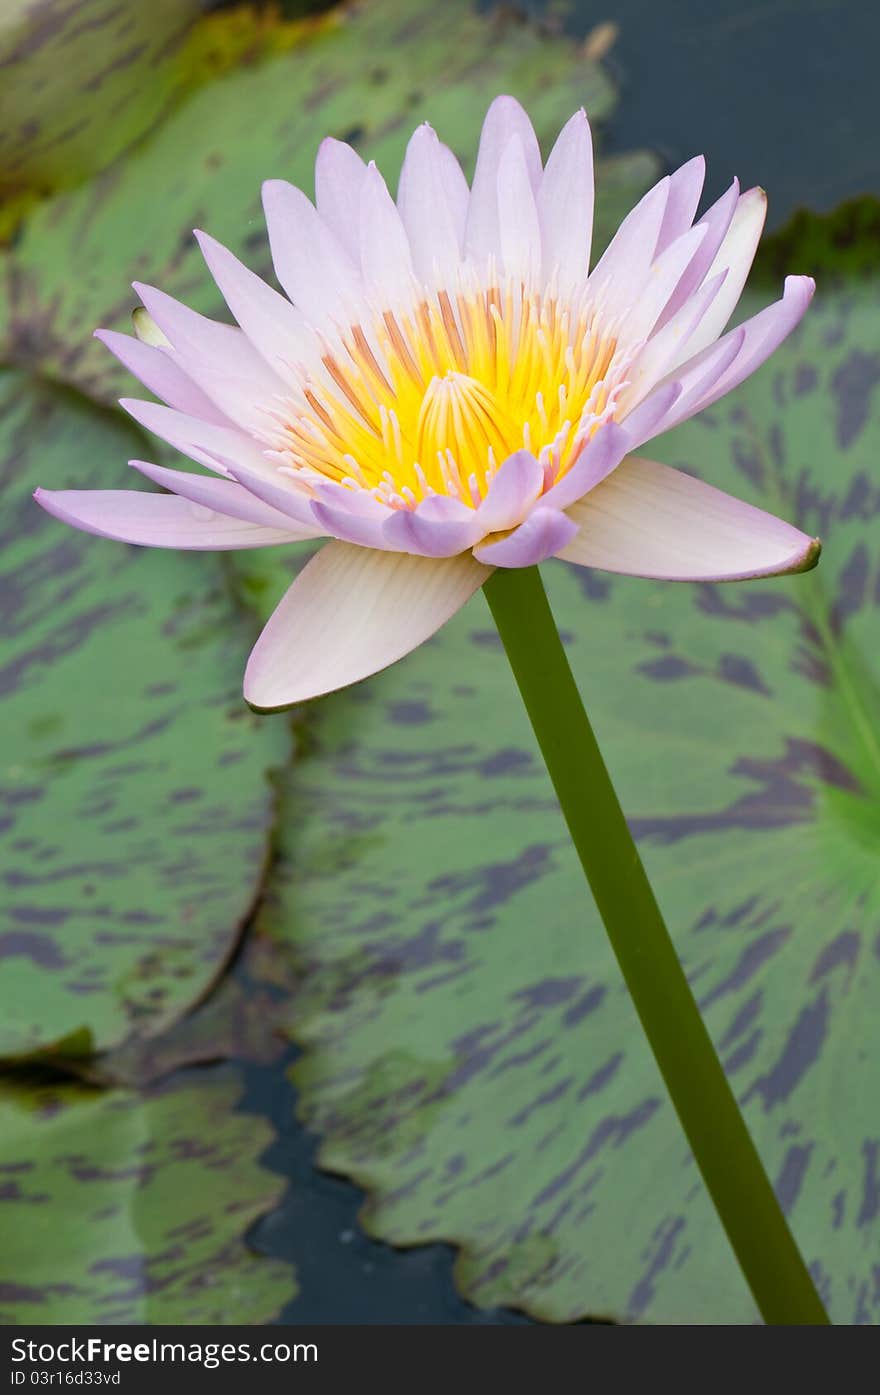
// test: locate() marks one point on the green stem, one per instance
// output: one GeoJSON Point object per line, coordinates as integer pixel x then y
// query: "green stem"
{"type": "Point", "coordinates": [705, 1104]}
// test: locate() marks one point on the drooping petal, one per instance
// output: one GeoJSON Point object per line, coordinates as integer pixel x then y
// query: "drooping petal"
{"type": "Point", "coordinates": [224, 496]}
{"type": "Point", "coordinates": [735, 256]}
{"type": "Point", "coordinates": [203, 441]}
{"type": "Point", "coordinates": [349, 613]}
{"type": "Point", "coordinates": [310, 262]}
{"type": "Point", "coordinates": [276, 328]}
{"type": "Point", "coordinates": [685, 188]}
{"type": "Point", "coordinates": [565, 206]}
{"type": "Point", "coordinates": [386, 263]}
{"type": "Point", "coordinates": [520, 229]}
{"type": "Point", "coordinates": [544, 533]}
{"type": "Point", "coordinates": [162, 375]}
{"type": "Point", "coordinates": [650, 520]}
{"type": "Point", "coordinates": [339, 178]}
{"type": "Point", "coordinates": [512, 493]}
{"type": "Point", "coordinates": [433, 198]}
{"type": "Point", "coordinates": [278, 491]}
{"type": "Point", "coordinates": [157, 520]}
{"type": "Point", "coordinates": [504, 119]}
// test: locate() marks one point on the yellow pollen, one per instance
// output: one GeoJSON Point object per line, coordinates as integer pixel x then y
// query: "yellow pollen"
{"type": "Point", "coordinates": [434, 401]}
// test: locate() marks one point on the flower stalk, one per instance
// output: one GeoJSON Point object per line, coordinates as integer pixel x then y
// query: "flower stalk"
{"type": "Point", "coordinates": [706, 1106]}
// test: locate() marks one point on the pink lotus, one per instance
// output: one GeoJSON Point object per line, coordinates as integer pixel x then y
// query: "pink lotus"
{"type": "Point", "coordinates": [447, 390]}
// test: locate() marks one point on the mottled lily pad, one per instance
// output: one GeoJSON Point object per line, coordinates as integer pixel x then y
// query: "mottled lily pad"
{"type": "Point", "coordinates": [472, 1058]}
{"type": "Point", "coordinates": [124, 1208]}
{"type": "Point", "coordinates": [135, 801]}
{"type": "Point", "coordinates": [370, 78]}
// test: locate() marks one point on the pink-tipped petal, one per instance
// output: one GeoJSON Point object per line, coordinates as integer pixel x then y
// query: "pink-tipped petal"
{"type": "Point", "coordinates": [385, 257]}
{"type": "Point", "coordinates": [650, 520]}
{"type": "Point", "coordinates": [433, 198]}
{"type": "Point", "coordinates": [162, 375]}
{"type": "Point", "coordinates": [349, 613]}
{"type": "Point", "coordinates": [504, 119]}
{"type": "Point", "coordinates": [224, 496]}
{"type": "Point", "coordinates": [203, 441]}
{"type": "Point", "coordinates": [685, 188]}
{"type": "Point", "coordinates": [512, 493]}
{"type": "Point", "coordinates": [339, 177]}
{"type": "Point", "coordinates": [310, 262]}
{"type": "Point", "coordinates": [565, 206]}
{"type": "Point", "coordinates": [518, 216]}
{"type": "Point", "coordinates": [602, 454]}
{"type": "Point", "coordinates": [275, 328]}
{"type": "Point", "coordinates": [157, 520]}
{"type": "Point", "coordinates": [544, 534]}
{"type": "Point", "coordinates": [735, 256]}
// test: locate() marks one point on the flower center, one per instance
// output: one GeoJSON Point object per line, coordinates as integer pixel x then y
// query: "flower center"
{"type": "Point", "coordinates": [434, 401]}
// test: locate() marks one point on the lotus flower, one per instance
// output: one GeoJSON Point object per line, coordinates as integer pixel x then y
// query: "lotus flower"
{"type": "Point", "coordinates": [445, 389]}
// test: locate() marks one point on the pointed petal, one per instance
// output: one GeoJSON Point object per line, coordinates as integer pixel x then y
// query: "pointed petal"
{"type": "Point", "coordinates": [518, 216]}
{"type": "Point", "coordinates": [650, 520]}
{"type": "Point", "coordinates": [716, 220]}
{"type": "Point", "coordinates": [349, 613]}
{"type": "Point", "coordinates": [667, 347]}
{"type": "Point", "coordinates": [224, 496]}
{"type": "Point", "coordinates": [735, 256]}
{"type": "Point", "coordinates": [504, 119]}
{"type": "Point", "coordinates": [660, 285]}
{"type": "Point", "coordinates": [156, 520]}
{"type": "Point", "coordinates": [310, 262]}
{"type": "Point", "coordinates": [685, 188]}
{"type": "Point", "coordinates": [512, 493]}
{"type": "Point", "coordinates": [385, 257]}
{"type": "Point", "coordinates": [275, 328]}
{"type": "Point", "coordinates": [622, 270]}
{"type": "Point", "coordinates": [565, 206]}
{"type": "Point", "coordinates": [159, 372]}
{"type": "Point", "coordinates": [201, 440]}
{"type": "Point", "coordinates": [433, 198]}
{"type": "Point", "coordinates": [544, 533]}
{"type": "Point", "coordinates": [339, 177]}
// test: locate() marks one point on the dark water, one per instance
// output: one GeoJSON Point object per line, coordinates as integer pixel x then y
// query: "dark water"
{"type": "Point", "coordinates": [782, 93]}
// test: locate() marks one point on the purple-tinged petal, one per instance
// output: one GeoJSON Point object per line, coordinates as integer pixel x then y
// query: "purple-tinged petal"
{"type": "Point", "coordinates": [276, 328]}
{"type": "Point", "coordinates": [602, 454]}
{"type": "Point", "coordinates": [349, 613]}
{"type": "Point", "coordinates": [157, 520]}
{"type": "Point", "coordinates": [518, 216]}
{"type": "Point", "coordinates": [429, 533]}
{"type": "Point", "coordinates": [351, 526]}
{"type": "Point", "coordinates": [339, 177]}
{"type": "Point", "coordinates": [385, 257]}
{"type": "Point", "coordinates": [544, 533]}
{"type": "Point", "coordinates": [565, 206]}
{"type": "Point", "coordinates": [685, 188]}
{"type": "Point", "coordinates": [650, 520]}
{"type": "Point", "coordinates": [203, 441]}
{"type": "Point", "coordinates": [433, 197]}
{"type": "Point", "coordinates": [668, 347]}
{"type": "Point", "coordinates": [716, 220]}
{"type": "Point", "coordinates": [278, 491]}
{"type": "Point", "coordinates": [512, 493]}
{"type": "Point", "coordinates": [691, 382]}
{"type": "Point", "coordinates": [660, 285]}
{"type": "Point", "coordinates": [310, 262]}
{"type": "Point", "coordinates": [646, 420]}
{"type": "Point", "coordinates": [622, 270]}
{"type": "Point", "coordinates": [504, 119]}
{"type": "Point", "coordinates": [224, 496]}
{"type": "Point", "coordinates": [735, 256]}
{"type": "Point", "coordinates": [162, 375]}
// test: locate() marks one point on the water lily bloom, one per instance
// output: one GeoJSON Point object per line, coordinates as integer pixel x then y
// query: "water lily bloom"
{"type": "Point", "coordinates": [446, 388]}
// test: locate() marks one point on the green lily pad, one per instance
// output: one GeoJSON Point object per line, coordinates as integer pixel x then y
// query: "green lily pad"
{"type": "Point", "coordinates": [371, 76]}
{"type": "Point", "coordinates": [472, 1058]}
{"type": "Point", "coordinates": [135, 801]}
{"type": "Point", "coordinates": [81, 82]}
{"type": "Point", "coordinates": [124, 1208]}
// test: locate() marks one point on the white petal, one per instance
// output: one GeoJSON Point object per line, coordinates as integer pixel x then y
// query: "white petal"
{"type": "Point", "coordinates": [504, 119]}
{"type": "Point", "coordinates": [351, 612]}
{"type": "Point", "coordinates": [339, 178]}
{"type": "Point", "coordinates": [520, 230]}
{"type": "Point", "coordinates": [649, 520]}
{"type": "Point", "coordinates": [735, 256]}
{"type": "Point", "coordinates": [565, 206]}
{"type": "Point", "coordinates": [386, 262]}
{"type": "Point", "coordinates": [432, 198]}
{"type": "Point", "coordinates": [275, 328]}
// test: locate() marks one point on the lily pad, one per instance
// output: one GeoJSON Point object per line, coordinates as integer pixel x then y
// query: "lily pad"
{"type": "Point", "coordinates": [472, 1058]}
{"type": "Point", "coordinates": [135, 802]}
{"type": "Point", "coordinates": [124, 1208]}
{"type": "Point", "coordinates": [369, 76]}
